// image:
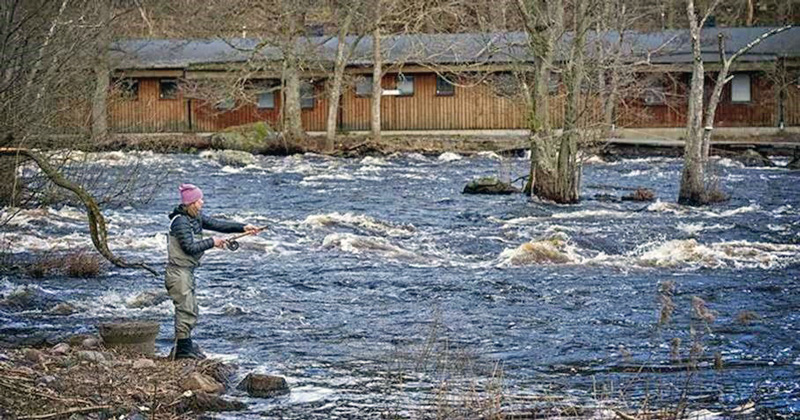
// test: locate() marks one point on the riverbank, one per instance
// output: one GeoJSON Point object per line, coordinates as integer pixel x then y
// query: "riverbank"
{"type": "Point", "coordinates": [82, 378]}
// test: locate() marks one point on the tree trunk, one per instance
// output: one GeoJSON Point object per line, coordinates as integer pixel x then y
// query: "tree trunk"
{"type": "Point", "coordinates": [692, 189]}
{"type": "Point", "coordinates": [377, 89]}
{"type": "Point", "coordinates": [99, 100]}
{"type": "Point", "coordinates": [293, 128]}
{"type": "Point", "coordinates": [751, 12]}
{"type": "Point", "coordinates": [335, 87]}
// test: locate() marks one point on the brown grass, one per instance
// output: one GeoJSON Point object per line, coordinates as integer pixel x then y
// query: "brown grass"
{"type": "Point", "coordinates": [82, 264]}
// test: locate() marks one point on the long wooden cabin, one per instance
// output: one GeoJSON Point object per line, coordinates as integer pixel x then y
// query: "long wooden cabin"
{"type": "Point", "coordinates": [442, 82]}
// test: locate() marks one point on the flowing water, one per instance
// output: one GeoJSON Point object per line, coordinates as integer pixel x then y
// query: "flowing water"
{"type": "Point", "coordinates": [381, 289]}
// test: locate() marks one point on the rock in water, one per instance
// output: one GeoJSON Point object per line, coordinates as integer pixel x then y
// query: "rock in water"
{"type": "Point", "coordinates": [641, 194]}
{"type": "Point", "coordinates": [794, 164]}
{"type": "Point", "coordinates": [148, 298]}
{"type": "Point", "coordinates": [203, 383]}
{"type": "Point", "coordinates": [236, 158]}
{"type": "Point", "coordinates": [201, 401]}
{"type": "Point", "coordinates": [754, 158]}
{"type": "Point", "coordinates": [489, 185]}
{"type": "Point", "coordinates": [258, 385]}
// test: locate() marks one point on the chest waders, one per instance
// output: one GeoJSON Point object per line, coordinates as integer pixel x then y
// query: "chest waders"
{"type": "Point", "coordinates": [180, 284]}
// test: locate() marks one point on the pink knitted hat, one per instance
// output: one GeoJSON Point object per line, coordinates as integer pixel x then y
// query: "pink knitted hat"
{"type": "Point", "coordinates": [190, 193]}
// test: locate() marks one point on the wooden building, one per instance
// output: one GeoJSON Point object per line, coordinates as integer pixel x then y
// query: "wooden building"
{"type": "Point", "coordinates": [443, 82]}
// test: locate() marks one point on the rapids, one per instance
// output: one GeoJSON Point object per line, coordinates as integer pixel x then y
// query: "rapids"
{"type": "Point", "coordinates": [380, 289]}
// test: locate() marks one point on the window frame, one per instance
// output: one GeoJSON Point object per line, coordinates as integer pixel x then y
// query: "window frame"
{"type": "Point", "coordinates": [442, 81]}
{"type": "Point", "coordinates": [258, 99]}
{"type": "Point", "coordinates": [162, 95]}
{"type": "Point", "coordinates": [364, 80]}
{"type": "Point", "coordinates": [309, 87]}
{"type": "Point", "coordinates": [749, 88]}
{"type": "Point", "coordinates": [128, 88]}
{"type": "Point", "coordinates": [655, 89]}
{"type": "Point", "coordinates": [402, 78]}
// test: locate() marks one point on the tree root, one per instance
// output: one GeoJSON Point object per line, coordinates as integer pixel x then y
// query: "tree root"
{"type": "Point", "coordinates": [97, 223]}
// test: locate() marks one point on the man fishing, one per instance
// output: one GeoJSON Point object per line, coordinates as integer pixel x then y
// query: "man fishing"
{"type": "Point", "coordinates": [185, 247]}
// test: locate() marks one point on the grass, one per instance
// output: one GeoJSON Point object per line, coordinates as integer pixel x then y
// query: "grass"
{"type": "Point", "coordinates": [78, 264]}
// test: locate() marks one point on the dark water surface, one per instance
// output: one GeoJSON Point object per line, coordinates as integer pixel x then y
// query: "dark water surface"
{"type": "Point", "coordinates": [380, 289]}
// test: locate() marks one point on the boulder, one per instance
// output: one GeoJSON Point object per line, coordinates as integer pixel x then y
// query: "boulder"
{"type": "Point", "coordinates": [253, 138]}
{"type": "Point", "coordinates": [202, 383]}
{"type": "Point", "coordinates": [489, 185]}
{"type": "Point", "coordinates": [258, 385]}
{"type": "Point", "coordinates": [235, 158]}
{"type": "Point", "coordinates": [753, 158]}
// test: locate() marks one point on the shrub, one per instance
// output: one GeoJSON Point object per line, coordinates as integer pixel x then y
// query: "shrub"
{"type": "Point", "coordinates": [82, 264]}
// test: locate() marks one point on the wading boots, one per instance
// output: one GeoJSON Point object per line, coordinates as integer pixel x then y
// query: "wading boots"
{"type": "Point", "coordinates": [185, 349]}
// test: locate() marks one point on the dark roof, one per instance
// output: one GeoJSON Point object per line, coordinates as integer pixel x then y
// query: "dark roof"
{"type": "Point", "coordinates": [507, 47]}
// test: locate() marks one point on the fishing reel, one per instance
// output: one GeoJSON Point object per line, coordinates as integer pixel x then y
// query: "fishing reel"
{"type": "Point", "coordinates": [232, 244]}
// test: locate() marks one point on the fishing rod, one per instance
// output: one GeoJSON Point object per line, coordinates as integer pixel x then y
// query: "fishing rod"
{"type": "Point", "coordinates": [232, 244]}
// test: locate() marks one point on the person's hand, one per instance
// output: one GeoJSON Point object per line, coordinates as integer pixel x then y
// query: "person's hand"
{"type": "Point", "coordinates": [253, 230]}
{"type": "Point", "coordinates": [219, 242]}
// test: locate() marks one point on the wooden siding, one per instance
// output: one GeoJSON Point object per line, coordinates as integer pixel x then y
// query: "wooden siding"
{"type": "Point", "coordinates": [205, 118]}
{"type": "Point", "coordinates": [469, 108]}
{"type": "Point", "coordinates": [148, 113]}
{"type": "Point", "coordinates": [761, 111]}
{"type": "Point", "coordinates": [791, 107]}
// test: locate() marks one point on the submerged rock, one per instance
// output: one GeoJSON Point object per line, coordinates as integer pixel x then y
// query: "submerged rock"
{"type": "Point", "coordinates": [28, 298]}
{"type": "Point", "coordinates": [235, 158]}
{"type": "Point", "coordinates": [258, 385]}
{"type": "Point", "coordinates": [489, 185]}
{"type": "Point", "coordinates": [641, 194]}
{"type": "Point", "coordinates": [794, 164]}
{"type": "Point", "coordinates": [147, 299]}
{"type": "Point", "coordinates": [63, 309]}
{"type": "Point", "coordinates": [754, 158]}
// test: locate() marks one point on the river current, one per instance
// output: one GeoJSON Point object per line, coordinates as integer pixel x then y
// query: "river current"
{"type": "Point", "coordinates": [379, 289]}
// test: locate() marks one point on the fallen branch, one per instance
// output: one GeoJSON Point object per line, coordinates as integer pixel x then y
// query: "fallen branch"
{"type": "Point", "coordinates": [97, 223]}
{"type": "Point", "coordinates": [81, 410]}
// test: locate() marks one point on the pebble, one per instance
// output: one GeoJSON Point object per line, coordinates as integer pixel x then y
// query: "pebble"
{"type": "Point", "coordinates": [60, 348]}
{"type": "Point", "coordinates": [200, 382]}
{"type": "Point", "coordinates": [90, 343]}
{"type": "Point", "coordinates": [144, 364]}
{"type": "Point", "coordinates": [34, 355]}
{"type": "Point", "coordinates": [91, 356]}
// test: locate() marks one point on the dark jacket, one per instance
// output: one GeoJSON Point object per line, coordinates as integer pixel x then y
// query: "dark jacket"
{"type": "Point", "coordinates": [185, 228]}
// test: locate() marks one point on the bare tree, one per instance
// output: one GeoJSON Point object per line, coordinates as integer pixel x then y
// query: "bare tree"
{"type": "Point", "coordinates": [700, 119]}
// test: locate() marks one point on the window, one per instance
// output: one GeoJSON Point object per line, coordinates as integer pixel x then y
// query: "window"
{"type": "Point", "coordinates": [364, 86]}
{"type": "Point", "coordinates": [265, 100]}
{"type": "Point", "coordinates": [226, 104]}
{"type": "Point", "coordinates": [740, 88]}
{"type": "Point", "coordinates": [405, 84]}
{"type": "Point", "coordinates": [444, 87]}
{"type": "Point", "coordinates": [654, 93]}
{"type": "Point", "coordinates": [168, 89]}
{"type": "Point", "coordinates": [129, 89]}
{"type": "Point", "coordinates": [505, 85]}
{"type": "Point", "coordinates": [552, 83]}
{"type": "Point", "coordinates": [307, 99]}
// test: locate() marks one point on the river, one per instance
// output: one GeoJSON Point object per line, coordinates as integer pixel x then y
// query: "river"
{"type": "Point", "coordinates": [380, 289]}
